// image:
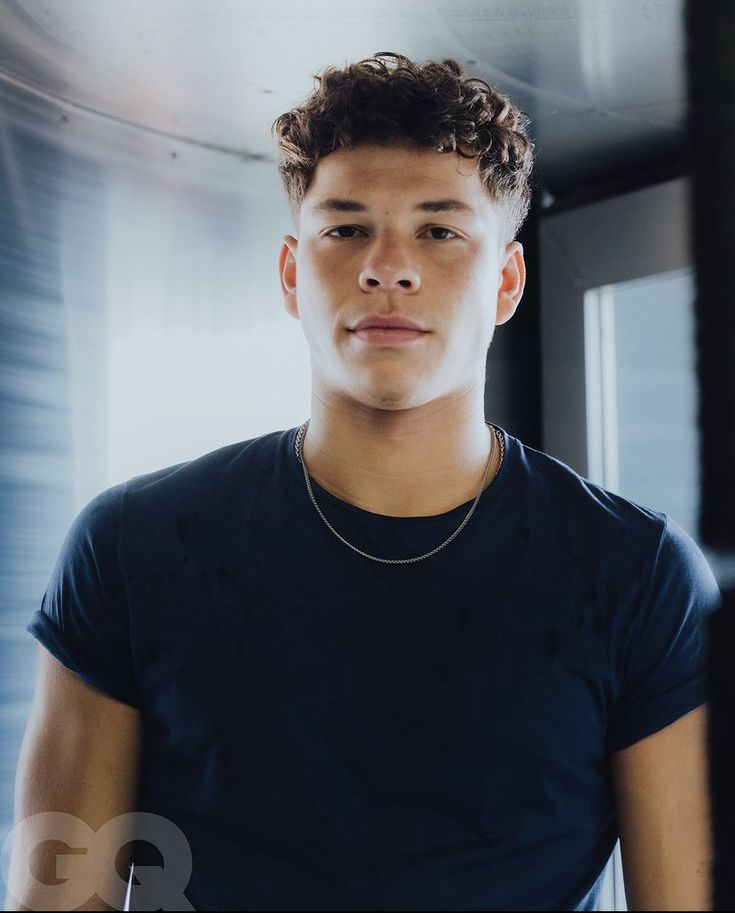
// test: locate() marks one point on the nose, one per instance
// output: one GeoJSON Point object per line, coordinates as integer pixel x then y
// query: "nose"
{"type": "Point", "coordinates": [388, 269]}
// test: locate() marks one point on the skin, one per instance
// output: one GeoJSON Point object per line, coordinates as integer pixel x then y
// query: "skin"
{"type": "Point", "coordinates": [80, 755]}
{"type": "Point", "coordinates": [664, 805]}
{"type": "Point", "coordinates": [400, 431]}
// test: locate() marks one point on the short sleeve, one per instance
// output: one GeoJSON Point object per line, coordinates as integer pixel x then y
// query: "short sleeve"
{"type": "Point", "coordinates": [84, 620]}
{"type": "Point", "coordinates": [665, 668]}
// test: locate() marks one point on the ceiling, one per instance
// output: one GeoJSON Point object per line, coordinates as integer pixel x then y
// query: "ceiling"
{"type": "Point", "coordinates": [604, 81]}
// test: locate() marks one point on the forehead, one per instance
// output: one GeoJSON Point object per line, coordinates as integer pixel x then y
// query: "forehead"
{"type": "Point", "coordinates": [370, 171]}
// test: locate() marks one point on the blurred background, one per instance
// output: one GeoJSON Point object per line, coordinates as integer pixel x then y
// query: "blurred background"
{"type": "Point", "coordinates": [141, 319]}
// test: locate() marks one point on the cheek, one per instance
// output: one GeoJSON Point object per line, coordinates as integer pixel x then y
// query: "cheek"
{"type": "Point", "coordinates": [467, 275]}
{"type": "Point", "coordinates": [323, 280]}
{"type": "Point", "coordinates": [471, 317]}
{"type": "Point", "coordinates": [319, 312]}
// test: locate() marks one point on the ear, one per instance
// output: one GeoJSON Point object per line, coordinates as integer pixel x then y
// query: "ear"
{"type": "Point", "coordinates": [287, 274]}
{"type": "Point", "coordinates": [512, 282]}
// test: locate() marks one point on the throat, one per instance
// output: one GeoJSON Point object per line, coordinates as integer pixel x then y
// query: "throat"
{"type": "Point", "coordinates": [422, 499]}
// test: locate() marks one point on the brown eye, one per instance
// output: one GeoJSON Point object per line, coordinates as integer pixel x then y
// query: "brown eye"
{"type": "Point", "coordinates": [342, 228]}
{"type": "Point", "coordinates": [441, 228]}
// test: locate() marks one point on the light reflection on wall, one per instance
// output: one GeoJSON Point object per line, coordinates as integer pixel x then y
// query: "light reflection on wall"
{"type": "Point", "coordinates": [175, 394]}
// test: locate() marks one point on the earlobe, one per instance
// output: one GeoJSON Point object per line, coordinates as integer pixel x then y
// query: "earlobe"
{"type": "Point", "coordinates": [506, 309]}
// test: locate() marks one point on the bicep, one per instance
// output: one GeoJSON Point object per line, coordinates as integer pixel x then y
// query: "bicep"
{"type": "Point", "coordinates": [80, 755]}
{"type": "Point", "coordinates": [662, 796]}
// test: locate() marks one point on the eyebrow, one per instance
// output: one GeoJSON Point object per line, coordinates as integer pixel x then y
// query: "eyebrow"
{"type": "Point", "coordinates": [334, 205]}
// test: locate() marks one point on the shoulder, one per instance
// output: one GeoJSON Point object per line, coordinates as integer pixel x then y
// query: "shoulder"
{"type": "Point", "coordinates": [659, 548]}
{"type": "Point", "coordinates": [578, 510]}
{"type": "Point", "coordinates": [93, 530]}
{"type": "Point", "coordinates": [157, 500]}
{"type": "Point", "coordinates": [203, 477]}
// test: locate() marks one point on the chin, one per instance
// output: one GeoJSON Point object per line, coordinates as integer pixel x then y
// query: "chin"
{"type": "Point", "coordinates": [393, 399]}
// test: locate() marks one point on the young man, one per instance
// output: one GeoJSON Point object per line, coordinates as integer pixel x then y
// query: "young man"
{"type": "Point", "coordinates": [392, 658]}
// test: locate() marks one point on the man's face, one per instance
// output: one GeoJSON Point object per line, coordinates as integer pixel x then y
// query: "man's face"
{"type": "Point", "coordinates": [378, 252]}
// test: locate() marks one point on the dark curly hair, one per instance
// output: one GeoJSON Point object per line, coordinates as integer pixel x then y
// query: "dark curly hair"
{"type": "Point", "coordinates": [432, 104]}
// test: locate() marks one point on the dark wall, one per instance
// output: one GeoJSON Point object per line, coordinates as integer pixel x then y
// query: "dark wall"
{"type": "Point", "coordinates": [513, 388]}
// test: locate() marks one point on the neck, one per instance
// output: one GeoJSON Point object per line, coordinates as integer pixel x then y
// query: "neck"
{"type": "Point", "coordinates": [407, 463]}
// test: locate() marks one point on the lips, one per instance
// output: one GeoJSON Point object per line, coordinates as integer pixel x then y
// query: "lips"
{"type": "Point", "coordinates": [388, 323]}
{"type": "Point", "coordinates": [389, 337]}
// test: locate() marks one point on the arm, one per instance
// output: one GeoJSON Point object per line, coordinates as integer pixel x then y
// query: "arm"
{"type": "Point", "coordinates": [80, 755]}
{"type": "Point", "coordinates": [662, 795]}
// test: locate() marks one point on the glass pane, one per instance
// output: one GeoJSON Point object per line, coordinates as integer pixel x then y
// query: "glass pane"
{"type": "Point", "coordinates": [642, 392]}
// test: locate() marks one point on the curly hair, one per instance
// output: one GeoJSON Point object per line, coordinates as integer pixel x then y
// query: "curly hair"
{"type": "Point", "coordinates": [433, 105]}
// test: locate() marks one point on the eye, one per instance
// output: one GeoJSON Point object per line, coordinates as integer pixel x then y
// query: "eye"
{"type": "Point", "coordinates": [441, 228]}
{"type": "Point", "coordinates": [341, 228]}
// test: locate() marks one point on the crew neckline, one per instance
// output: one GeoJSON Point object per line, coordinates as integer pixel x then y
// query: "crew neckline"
{"type": "Point", "coordinates": [322, 496]}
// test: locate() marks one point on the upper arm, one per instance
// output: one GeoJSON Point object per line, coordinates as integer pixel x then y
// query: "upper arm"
{"type": "Point", "coordinates": [662, 795]}
{"type": "Point", "coordinates": [80, 755]}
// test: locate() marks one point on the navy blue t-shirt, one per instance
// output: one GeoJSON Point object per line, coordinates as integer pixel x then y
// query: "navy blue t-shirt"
{"type": "Point", "coordinates": [334, 733]}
